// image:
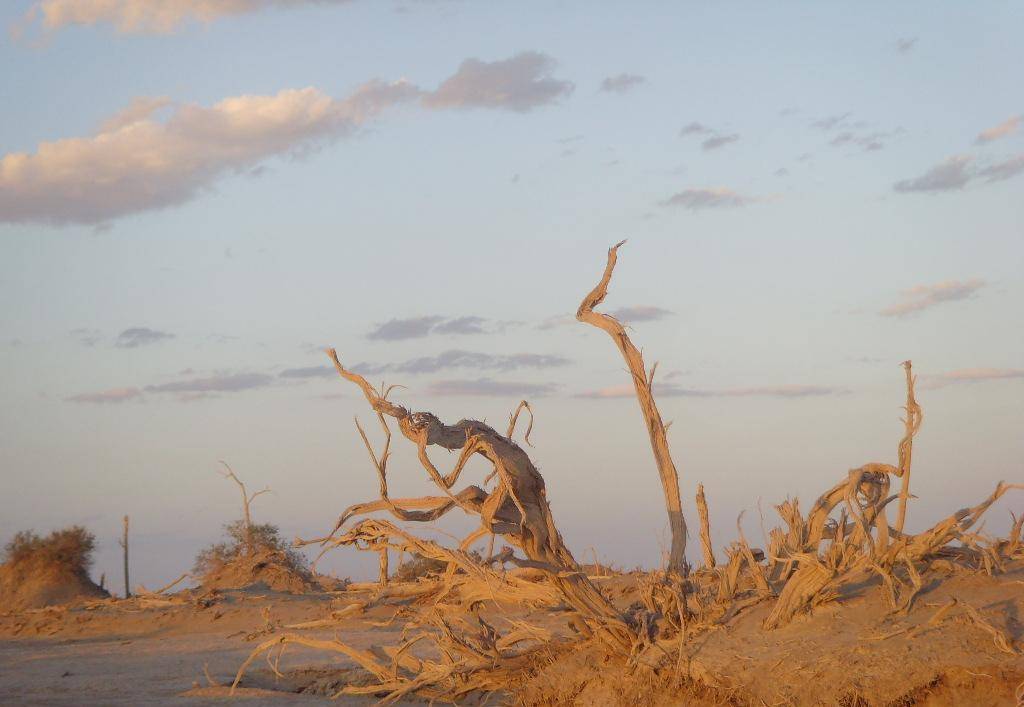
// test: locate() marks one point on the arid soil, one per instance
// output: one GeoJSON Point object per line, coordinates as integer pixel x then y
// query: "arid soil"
{"type": "Point", "coordinates": [187, 647]}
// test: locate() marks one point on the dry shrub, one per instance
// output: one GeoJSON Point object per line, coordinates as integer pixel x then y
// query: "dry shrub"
{"type": "Point", "coordinates": [42, 571]}
{"type": "Point", "coordinates": [420, 567]}
{"type": "Point", "coordinates": [252, 556]}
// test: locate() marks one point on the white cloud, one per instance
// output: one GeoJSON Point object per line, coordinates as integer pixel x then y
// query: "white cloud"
{"type": "Point", "coordinates": [137, 163]}
{"type": "Point", "coordinates": [924, 296]}
{"type": "Point", "coordinates": [151, 16]}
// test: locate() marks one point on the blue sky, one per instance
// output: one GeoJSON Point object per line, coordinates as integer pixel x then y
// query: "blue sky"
{"type": "Point", "coordinates": [191, 207]}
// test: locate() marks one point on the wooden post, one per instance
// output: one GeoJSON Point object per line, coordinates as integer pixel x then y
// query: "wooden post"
{"type": "Point", "coordinates": [124, 544]}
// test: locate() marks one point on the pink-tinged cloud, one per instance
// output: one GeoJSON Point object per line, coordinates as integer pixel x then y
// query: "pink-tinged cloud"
{"type": "Point", "coordinates": [151, 16]}
{"type": "Point", "coordinates": [1004, 129]}
{"type": "Point", "coordinates": [971, 375]}
{"type": "Point", "coordinates": [113, 395]}
{"type": "Point", "coordinates": [137, 162]}
{"type": "Point", "coordinates": [155, 154]}
{"type": "Point", "coordinates": [923, 297]}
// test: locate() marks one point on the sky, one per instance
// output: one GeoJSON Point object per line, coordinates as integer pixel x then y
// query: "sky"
{"type": "Point", "coordinates": [197, 197]}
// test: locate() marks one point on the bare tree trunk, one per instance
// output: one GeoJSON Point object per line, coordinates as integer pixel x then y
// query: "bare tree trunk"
{"type": "Point", "coordinates": [383, 577]}
{"type": "Point", "coordinates": [642, 381]}
{"type": "Point", "coordinates": [250, 541]}
{"type": "Point", "coordinates": [124, 544]}
{"type": "Point", "coordinates": [705, 528]}
{"type": "Point", "coordinates": [912, 423]}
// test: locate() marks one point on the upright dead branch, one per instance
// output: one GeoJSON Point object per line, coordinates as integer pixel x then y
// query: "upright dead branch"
{"type": "Point", "coordinates": [912, 423]}
{"type": "Point", "coordinates": [124, 545]}
{"type": "Point", "coordinates": [705, 528]}
{"type": "Point", "coordinates": [250, 542]}
{"type": "Point", "coordinates": [642, 383]}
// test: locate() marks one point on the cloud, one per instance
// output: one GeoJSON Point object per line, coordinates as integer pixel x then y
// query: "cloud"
{"type": "Point", "coordinates": [489, 387]}
{"type": "Point", "coordinates": [462, 325]}
{"type": "Point", "coordinates": [420, 327]}
{"type": "Point", "coordinates": [400, 329]}
{"type": "Point", "coordinates": [456, 358]}
{"type": "Point", "coordinates": [905, 44]}
{"type": "Point", "coordinates": [953, 173]}
{"type": "Point", "coordinates": [713, 143]}
{"type": "Point", "coordinates": [138, 110]}
{"type": "Point", "coordinates": [224, 383]}
{"type": "Point", "coordinates": [148, 163]}
{"type": "Point", "coordinates": [1002, 170]}
{"type": "Point", "coordinates": [707, 198]}
{"type": "Point", "coordinates": [640, 313]}
{"type": "Point", "coordinates": [830, 122]}
{"type": "Point", "coordinates": [555, 322]}
{"type": "Point", "coordinates": [113, 395]}
{"type": "Point", "coordinates": [971, 375]}
{"type": "Point", "coordinates": [1005, 128]}
{"type": "Point", "coordinates": [309, 372]}
{"type": "Point", "coordinates": [868, 142]}
{"type": "Point", "coordinates": [622, 83]}
{"type": "Point", "coordinates": [140, 336]}
{"type": "Point", "coordinates": [520, 83]}
{"type": "Point", "coordinates": [87, 337]}
{"type": "Point", "coordinates": [672, 390]}
{"type": "Point", "coordinates": [151, 16]}
{"type": "Point", "coordinates": [695, 129]}
{"type": "Point", "coordinates": [716, 140]}
{"type": "Point", "coordinates": [958, 171]}
{"type": "Point", "coordinates": [924, 296]}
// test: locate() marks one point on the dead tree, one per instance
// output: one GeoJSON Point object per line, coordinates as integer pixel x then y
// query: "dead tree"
{"type": "Point", "coordinates": [705, 528]}
{"type": "Point", "coordinates": [250, 541]}
{"type": "Point", "coordinates": [124, 544]}
{"type": "Point", "coordinates": [516, 508]}
{"type": "Point", "coordinates": [912, 423]}
{"type": "Point", "coordinates": [643, 381]}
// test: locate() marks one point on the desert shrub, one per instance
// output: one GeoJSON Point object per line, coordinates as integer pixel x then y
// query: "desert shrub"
{"type": "Point", "coordinates": [418, 566]}
{"type": "Point", "coordinates": [69, 548]}
{"type": "Point", "coordinates": [265, 538]}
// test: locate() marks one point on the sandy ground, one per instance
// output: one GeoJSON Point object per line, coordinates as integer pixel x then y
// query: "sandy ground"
{"type": "Point", "coordinates": [119, 653]}
{"type": "Point", "coordinates": [113, 656]}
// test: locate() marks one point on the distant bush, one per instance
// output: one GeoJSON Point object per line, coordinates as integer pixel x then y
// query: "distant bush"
{"type": "Point", "coordinates": [419, 566]}
{"type": "Point", "coordinates": [70, 548]}
{"type": "Point", "coordinates": [265, 538]}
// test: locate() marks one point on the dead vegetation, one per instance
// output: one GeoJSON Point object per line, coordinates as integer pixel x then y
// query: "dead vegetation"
{"type": "Point", "coordinates": [449, 651]}
{"type": "Point", "coordinates": [253, 555]}
{"type": "Point", "coordinates": [40, 571]}
{"type": "Point", "coordinates": [594, 636]}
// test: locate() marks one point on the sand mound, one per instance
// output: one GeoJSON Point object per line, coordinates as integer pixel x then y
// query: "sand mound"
{"type": "Point", "coordinates": [271, 569]}
{"type": "Point", "coordinates": [44, 571]}
{"type": "Point", "coordinates": [35, 585]}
